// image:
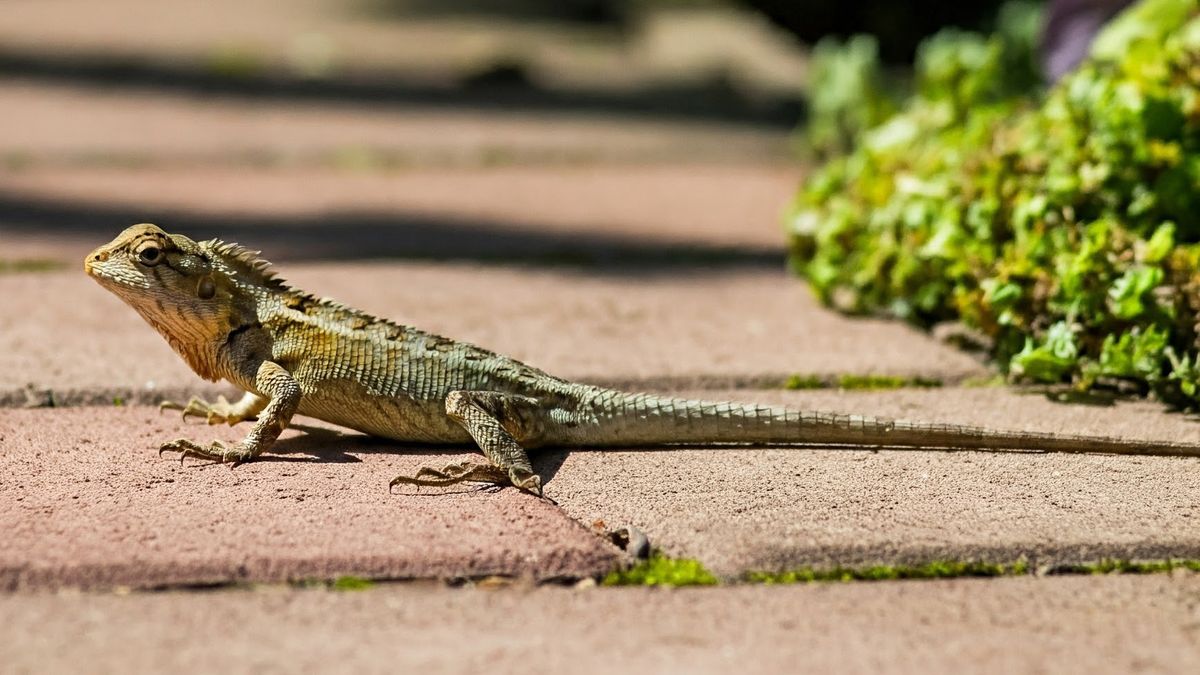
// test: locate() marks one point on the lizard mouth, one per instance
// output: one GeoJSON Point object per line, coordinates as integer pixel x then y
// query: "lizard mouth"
{"type": "Point", "coordinates": [94, 258]}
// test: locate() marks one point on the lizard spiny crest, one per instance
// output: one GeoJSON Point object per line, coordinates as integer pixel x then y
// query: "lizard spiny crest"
{"type": "Point", "coordinates": [248, 266]}
{"type": "Point", "coordinates": [245, 262]}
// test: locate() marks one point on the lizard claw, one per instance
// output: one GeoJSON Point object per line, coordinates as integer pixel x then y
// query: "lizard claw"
{"type": "Point", "coordinates": [451, 474]}
{"type": "Point", "coordinates": [527, 481]}
{"type": "Point", "coordinates": [216, 451]}
{"type": "Point", "coordinates": [169, 405]}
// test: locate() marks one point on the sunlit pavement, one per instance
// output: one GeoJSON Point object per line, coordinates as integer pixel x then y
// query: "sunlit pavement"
{"type": "Point", "coordinates": [636, 253]}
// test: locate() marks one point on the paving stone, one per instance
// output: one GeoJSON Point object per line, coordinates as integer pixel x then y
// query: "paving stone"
{"type": "Point", "coordinates": [150, 127]}
{"type": "Point", "coordinates": [746, 510]}
{"type": "Point", "coordinates": [63, 333]}
{"type": "Point", "coordinates": [1055, 625]}
{"type": "Point", "coordinates": [725, 57]}
{"type": "Point", "coordinates": [737, 510]}
{"type": "Point", "coordinates": [656, 216]}
{"type": "Point", "coordinates": [89, 504]}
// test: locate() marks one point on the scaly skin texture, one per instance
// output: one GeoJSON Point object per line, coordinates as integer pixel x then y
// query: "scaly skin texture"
{"type": "Point", "coordinates": [231, 318]}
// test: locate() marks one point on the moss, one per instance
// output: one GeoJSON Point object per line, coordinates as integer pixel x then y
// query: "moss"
{"type": "Point", "coordinates": [885, 382]}
{"type": "Point", "coordinates": [349, 583]}
{"type": "Point", "coordinates": [938, 569]}
{"type": "Point", "coordinates": [1128, 567]}
{"type": "Point", "coordinates": [235, 62]}
{"type": "Point", "coordinates": [805, 382]}
{"type": "Point", "coordinates": [659, 570]}
{"type": "Point", "coordinates": [30, 265]}
{"type": "Point", "coordinates": [854, 381]}
{"type": "Point", "coordinates": [16, 161]}
{"type": "Point", "coordinates": [952, 569]}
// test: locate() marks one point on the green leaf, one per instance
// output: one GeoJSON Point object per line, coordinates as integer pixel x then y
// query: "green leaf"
{"type": "Point", "coordinates": [1137, 354]}
{"type": "Point", "coordinates": [1050, 361]}
{"type": "Point", "coordinates": [1128, 294]}
{"type": "Point", "coordinates": [1001, 296]}
{"type": "Point", "coordinates": [1185, 371]}
{"type": "Point", "coordinates": [1159, 244]}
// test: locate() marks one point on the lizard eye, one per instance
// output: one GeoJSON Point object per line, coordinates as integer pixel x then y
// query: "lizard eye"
{"type": "Point", "coordinates": [150, 255]}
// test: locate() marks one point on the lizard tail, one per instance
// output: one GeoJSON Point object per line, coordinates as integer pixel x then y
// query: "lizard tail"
{"type": "Point", "coordinates": [619, 419]}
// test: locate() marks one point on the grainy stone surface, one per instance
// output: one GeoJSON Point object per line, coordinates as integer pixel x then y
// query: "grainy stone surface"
{"type": "Point", "coordinates": [741, 510]}
{"type": "Point", "coordinates": [665, 214]}
{"type": "Point", "coordinates": [85, 483]}
{"type": "Point", "coordinates": [1028, 625]}
{"type": "Point", "coordinates": [325, 189]}
{"type": "Point", "coordinates": [139, 126]}
{"type": "Point", "coordinates": [66, 334]}
{"type": "Point", "coordinates": [89, 504]}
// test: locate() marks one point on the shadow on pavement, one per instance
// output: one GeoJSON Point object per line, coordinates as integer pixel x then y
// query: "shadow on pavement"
{"type": "Point", "coordinates": [716, 100]}
{"type": "Point", "coordinates": [348, 235]}
{"type": "Point", "coordinates": [330, 446]}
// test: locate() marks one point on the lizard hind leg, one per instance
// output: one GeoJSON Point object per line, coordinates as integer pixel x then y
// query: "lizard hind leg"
{"type": "Point", "coordinates": [494, 421]}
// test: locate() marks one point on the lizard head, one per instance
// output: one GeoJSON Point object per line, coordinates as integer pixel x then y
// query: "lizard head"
{"type": "Point", "coordinates": [146, 266]}
{"type": "Point", "coordinates": [170, 280]}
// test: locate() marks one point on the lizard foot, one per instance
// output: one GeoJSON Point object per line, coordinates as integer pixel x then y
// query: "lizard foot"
{"type": "Point", "coordinates": [219, 412]}
{"type": "Point", "coordinates": [526, 480]}
{"type": "Point", "coordinates": [216, 451]}
{"type": "Point", "coordinates": [469, 472]}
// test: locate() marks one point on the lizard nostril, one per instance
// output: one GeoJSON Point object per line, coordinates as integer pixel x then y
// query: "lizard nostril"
{"type": "Point", "coordinates": [100, 257]}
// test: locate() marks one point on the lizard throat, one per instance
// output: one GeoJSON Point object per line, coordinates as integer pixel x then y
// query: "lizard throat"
{"type": "Point", "coordinates": [198, 342]}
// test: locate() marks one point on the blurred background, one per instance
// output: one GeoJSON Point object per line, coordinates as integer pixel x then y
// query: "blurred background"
{"type": "Point", "coordinates": [554, 131]}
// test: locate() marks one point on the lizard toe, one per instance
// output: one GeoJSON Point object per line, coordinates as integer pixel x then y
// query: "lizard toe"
{"type": "Point", "coordinates": [236, 456]}
{"type": "Point", "coordinates": [167, 404]}
{"type": "Point", "coordinates": [527, 481]}
{"type": "Point", "coordinates": [186, 448]}
{"type": "Point", "coordinates": [452, 474]}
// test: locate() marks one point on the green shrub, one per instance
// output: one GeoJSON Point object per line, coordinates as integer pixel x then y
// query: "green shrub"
{"type": "Point", "coordinates": [846, 94]}
{"type": "Point", "coordinates": [1063, 225]}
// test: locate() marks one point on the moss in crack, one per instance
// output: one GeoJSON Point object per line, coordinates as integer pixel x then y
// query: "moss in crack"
{"type": "Point", "coordinates": [938, 569]}
{"type": "Point", "coordinates": [797, 382]}
{"type": "Point", "coordinates": [886, 382]}
{"type": "Point", "coordinates": [953, 569]}
{"type": "Point", "coordinates": [21, 265]}
{"type": "Point", "coordinates": [1127, 567]}
{"type": "Point", "coordinates": [859, 382]}
{"type": "Point", "coordinates": [351, 583]}
{"type": "Point", "coordinates": [660, 570]}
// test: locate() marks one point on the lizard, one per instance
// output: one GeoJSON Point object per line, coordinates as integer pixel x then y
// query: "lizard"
{"type": "Point", "coordinates": [227, 313]}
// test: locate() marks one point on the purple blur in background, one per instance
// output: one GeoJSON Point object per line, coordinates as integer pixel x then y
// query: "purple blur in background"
{"type": "Point", "coordinates": [1070, 27]}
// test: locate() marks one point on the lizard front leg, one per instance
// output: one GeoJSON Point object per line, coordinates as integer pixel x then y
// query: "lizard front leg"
{"type": "Point", "coordinates": [493, 419]}
{"type": "Point", "coordinates": [221, 411]}
{"type": "Point", "coordinates": [282, 395]}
